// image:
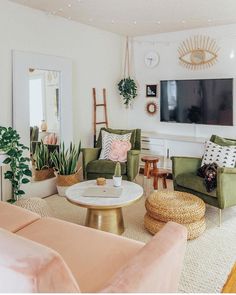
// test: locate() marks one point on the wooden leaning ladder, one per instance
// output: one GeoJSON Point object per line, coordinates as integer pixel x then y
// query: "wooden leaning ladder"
{"type": "Point", "coordinates": [95, 106]}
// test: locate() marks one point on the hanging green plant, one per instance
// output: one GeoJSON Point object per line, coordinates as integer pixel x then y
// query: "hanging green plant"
{"type": "Point", "coordinates": [128, 89]}
{"type": "Point", "coordinates": [127, 86]}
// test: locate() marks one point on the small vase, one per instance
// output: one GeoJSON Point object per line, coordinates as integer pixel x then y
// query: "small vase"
{"type": "Point", "coordinates": [117, 181]}
{"type": "Point", "coordinates": [44, 126]}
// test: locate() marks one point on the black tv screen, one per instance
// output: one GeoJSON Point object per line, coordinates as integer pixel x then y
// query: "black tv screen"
{"type": "Point", "coordinates": [208, 101]}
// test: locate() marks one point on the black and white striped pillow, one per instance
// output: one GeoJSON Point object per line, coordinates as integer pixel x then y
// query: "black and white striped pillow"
{"type": "Point", "coordinates": [107, 139]}
{"type": "Point", "coordinates": [223, 156]}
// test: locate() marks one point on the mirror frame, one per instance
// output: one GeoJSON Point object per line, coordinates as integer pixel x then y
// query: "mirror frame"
{"type": "Point", "coordinates": [22, 62]}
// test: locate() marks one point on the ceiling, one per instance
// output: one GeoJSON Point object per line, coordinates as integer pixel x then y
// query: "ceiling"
{"type": "Point", "coordinates": [140, 17]}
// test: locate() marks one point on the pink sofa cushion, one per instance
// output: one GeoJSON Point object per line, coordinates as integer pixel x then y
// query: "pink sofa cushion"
{"type": "Point", "coordinates": [92, 255]}
{"type": "Point", "coordinates": [30, 267]}
{"type": "Point", "coordinates": [14, 218]}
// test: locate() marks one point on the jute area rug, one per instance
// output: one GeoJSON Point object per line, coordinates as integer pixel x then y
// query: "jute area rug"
{"type": "Point", "coordinates": [209, 258]}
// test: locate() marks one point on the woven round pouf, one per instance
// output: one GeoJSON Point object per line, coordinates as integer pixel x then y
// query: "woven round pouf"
{"type": "Point", "coordinates": [175, 206]}
{"type": "Point", "coordinates": [194, 229]}
{"type": "Point", "coordinates": [180, 207]}
{"type": "Point", "coordinates": [35, 205]}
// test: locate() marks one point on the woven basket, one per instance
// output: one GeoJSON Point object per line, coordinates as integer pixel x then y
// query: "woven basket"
{"type": "Point", "coordinates": [175, 206]}
{"type": "Point", "coordinates": [40, 175]}
{"type": "Point", "coordinates": [195, 229]}
{"type": "Point", "coordinates": [67, 180]}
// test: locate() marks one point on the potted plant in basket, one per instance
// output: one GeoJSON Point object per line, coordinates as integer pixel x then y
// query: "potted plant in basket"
{"type": "Point", "coordinates": [117, 178]}
{"type": "Point", "coordinates": [42, 163]}
{"type": "Point", "coordinates": [19, 172]}
{"type": "Point", "coordinates": [65, 163]}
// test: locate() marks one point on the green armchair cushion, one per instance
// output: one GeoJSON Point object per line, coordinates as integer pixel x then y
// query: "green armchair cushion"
{"type": "Point", "coordinates": [134, 140]}
{"type": "Point", "coordinates": [222, 141]}
{"type": "Point", "coordinates": [193, 182]}
{"type": "Point", "coordinates": [104, 166]}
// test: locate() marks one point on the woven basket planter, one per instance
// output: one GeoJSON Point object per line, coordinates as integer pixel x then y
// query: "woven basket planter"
{"type": "Point", "coordinates": [195, 229]}
{"type": "Point", "coordinates": [44, 174]}
{"type": "Point", "coordinates": [175, 206]}
{"type": "Point", "coordinates": [65, 181]}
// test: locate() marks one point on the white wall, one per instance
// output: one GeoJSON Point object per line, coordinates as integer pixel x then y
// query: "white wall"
{"type": "Point", "coordinates": [166, 45]}
{"type": "Point", "coordinates": [96, 57]}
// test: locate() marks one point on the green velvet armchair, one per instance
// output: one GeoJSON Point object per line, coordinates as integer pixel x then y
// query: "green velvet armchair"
{"type": "Point", "coordinates": [93, 167]}
{"type": "Point", "coordinates": [185, 179]}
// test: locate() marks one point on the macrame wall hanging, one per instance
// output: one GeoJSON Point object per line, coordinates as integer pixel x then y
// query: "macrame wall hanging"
{"type": "Point", "coordinates": [198, 52]}
{"type": "Point", "coordinates": [127, 86]}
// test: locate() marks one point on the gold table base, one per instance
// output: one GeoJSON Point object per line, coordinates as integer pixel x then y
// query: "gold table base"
{"type": "Point", "coordinates": [110, 220]}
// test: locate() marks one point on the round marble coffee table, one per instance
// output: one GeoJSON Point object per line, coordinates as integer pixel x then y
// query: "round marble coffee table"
{"type": "Point", "coordinates": [102, 212]}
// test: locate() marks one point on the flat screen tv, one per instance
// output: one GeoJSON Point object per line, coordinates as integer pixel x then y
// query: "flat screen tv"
{"type": "Point", "coordinates": [205, 101]}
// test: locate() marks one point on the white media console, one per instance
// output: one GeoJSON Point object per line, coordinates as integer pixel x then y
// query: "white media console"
{"type": "Point", "coordinates": [165, 146]}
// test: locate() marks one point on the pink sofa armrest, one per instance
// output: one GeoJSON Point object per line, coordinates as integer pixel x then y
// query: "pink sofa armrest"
{"type": "Point", "coordinates": [157, 266]}
{"type": "Point", "coordinates": [29, 267]}
{"type": "Point", "coordinates": [14, 218]}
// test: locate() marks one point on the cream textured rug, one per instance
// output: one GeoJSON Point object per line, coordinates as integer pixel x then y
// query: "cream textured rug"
{"type": "Point", "coordinates": [208, 259]}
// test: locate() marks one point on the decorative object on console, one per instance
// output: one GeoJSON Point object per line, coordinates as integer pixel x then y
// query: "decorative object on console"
{"type": "Point", "coordinates": [117, 178]}
{"type": "Point", "coordinates": [50, 139]}
{"type": "Point", "coordinates": [42, 163]}
{"type": "Point", "coordinates": [127, 86]}
{"type": "Point", "coordinates": [151, 90]}
{"type": "Point", "coordinates": [119, 150]}
{"type": "Point", "coordinates": [152, 59]}
{"type": "Point", "coordinates": [198, 52]}
{"type": "Point", "coordinates": [44, 126]}
{"type": "Point", "coordinates": [66, 165]}
{"type": "Point", "coordinates": [223, 156]}
{"type": "Point", "coordinates": [101, 181]}
{"type": "Point", "coordinates": [107, 140]}
{"type": "Point", "coordinates": [19, 173]}
{"type": "Point", "coordinates": [151, 108]}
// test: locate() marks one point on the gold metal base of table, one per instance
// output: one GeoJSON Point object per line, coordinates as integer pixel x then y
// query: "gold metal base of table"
{"type": "Point", "coordinates": [110, 220]}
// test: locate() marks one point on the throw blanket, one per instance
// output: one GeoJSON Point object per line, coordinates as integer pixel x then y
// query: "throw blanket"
{"type": "Point", "coordinates": [209, 173]}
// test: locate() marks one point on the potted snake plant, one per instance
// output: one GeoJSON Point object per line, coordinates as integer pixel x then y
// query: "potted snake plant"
{"type": "Point", "coordinates": [65, 163]}
{"type": "Point", "coordinates": [42, 163]}
{"type": "Point", "coordinates": [117, 178]}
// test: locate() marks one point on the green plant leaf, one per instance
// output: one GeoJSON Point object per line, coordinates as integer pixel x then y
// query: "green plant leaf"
{"type": "Point", "coordinates": [25, 180]}
{"type": "Point", "coordinates": [27, 172]}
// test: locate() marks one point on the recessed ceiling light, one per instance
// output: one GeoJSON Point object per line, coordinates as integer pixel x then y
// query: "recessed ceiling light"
{"type": "Point", "coordinates": [158, 22]}
{"type": "Point", "coordinates": [69, 5]}
{"type": "Point", "coordinates": [183, 21]}
{"type": "Point", "coordinates": [135, 22]}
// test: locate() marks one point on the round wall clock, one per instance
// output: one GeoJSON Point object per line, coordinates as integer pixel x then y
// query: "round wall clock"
{"type": "Point", "coordinates": [151, 59]}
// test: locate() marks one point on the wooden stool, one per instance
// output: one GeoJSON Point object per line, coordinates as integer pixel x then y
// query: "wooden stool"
{"type": "Point", "coordinates": [160, 173]}
{"type": "Point", "coordinates": [150, 166]}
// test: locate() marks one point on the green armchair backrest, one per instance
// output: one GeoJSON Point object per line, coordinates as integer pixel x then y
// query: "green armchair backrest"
{"type": "Point", "coordinates": [135, 137]}
{"type": "Point", "coordinates": [222, 141]}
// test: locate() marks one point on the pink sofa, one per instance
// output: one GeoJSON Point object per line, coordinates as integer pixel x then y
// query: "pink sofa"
{"type": "Point", "coordinates": [51, 255]}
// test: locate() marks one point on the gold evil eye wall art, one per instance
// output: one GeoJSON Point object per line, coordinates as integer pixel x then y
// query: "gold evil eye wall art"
{"type": "Point", "coordinates": [198, 52]}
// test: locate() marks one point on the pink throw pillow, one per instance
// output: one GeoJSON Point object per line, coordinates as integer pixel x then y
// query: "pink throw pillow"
{"type": "Point", "coordinates": [119, 150]}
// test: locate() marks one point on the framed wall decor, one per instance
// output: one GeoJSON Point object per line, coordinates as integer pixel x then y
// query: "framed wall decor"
{"type": "Point", "coordinates": [151, 90]}
{"type": "Point", "coordinates": [151, 108]}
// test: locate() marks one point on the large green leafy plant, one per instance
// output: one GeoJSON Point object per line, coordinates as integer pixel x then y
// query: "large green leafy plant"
{"type": "Point", "coordinates": [128, 90]}
{"type": "Point", "coordinates": [19, 172]}
{"type": "Point", "coordinates": [66, 160]}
